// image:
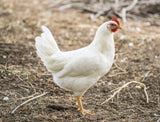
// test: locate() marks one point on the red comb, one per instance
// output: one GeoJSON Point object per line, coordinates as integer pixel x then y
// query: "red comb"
{"type": "Point", "coordinates": [116, 20]}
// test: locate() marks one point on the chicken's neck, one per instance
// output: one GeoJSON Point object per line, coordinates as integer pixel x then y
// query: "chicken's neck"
{"type": "Point", "coordinates": [104, 43]}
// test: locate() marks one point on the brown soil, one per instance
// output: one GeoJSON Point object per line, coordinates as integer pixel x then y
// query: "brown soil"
{"type": "Point", "coordinates": [22, 73]}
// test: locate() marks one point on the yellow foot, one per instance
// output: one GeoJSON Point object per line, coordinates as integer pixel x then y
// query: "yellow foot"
{"type": "Point", "coordinates": [80, 108]}
{"type": "Point", "coordinates": [87, 112]}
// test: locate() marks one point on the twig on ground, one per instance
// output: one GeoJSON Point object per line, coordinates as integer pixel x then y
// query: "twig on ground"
{"type": "Point", "coordinates": [116, 3]}
{"type": "Point", "coordinates": [93, 17]}
{"type": "Point", "coordinates": [2, 93]}
{"type": "Point", "coordinates": [124, 10]}
{"type": "Point", "coordinates": [140, 109]}
{"type": "Point", "coordinates": [146, 75]}
{"type": "Point", "coordinates": [89, 10]}
{"type": "Point", "coordinates": [158, 101]}
{"type": "Point", "coordinates": [29, 101]}
{"type": "Point", "coordinates": [19, 77]}
{"type": "Point", "coordinates": [32, 86]}
{"type": "Point", "coordinates": [28, 96]}
{"type": "Point", "coordinates": [71, 5]}
{"type": "Point", "coordinates": [142, 85]}
{"type": "Point", "coordinates": [44, 74]}
{"type": "Point", "coordinates": [55, 3]}
{"type": "Point", "coordinates": [120, 73]}
{"type": "Point", "coordinates": [118, 67]}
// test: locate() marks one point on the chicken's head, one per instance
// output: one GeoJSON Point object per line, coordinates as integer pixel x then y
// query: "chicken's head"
{"type": "Point", "coordinates": [108, 28]}
{"type": "Point", "coordinates": [114, 24]}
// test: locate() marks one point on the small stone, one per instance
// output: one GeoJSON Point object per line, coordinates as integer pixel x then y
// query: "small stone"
{"type": "Point", "coordinates": [54, 117]}
{"type": "Point", "coordinates": [4, 56]}
{"type": "Point", "coordinates": [156, 115]}
{"type": "Point", "coordinates": [156, 15]}
{"type": "Point", "coordinates": [5, 98]}
{"type": "Point", "coordinates": [130, 44]}
{"type": "Point", "coordinates": [109, 83]}
{"type": "Point", "coordinates": [122, 37]}
{"type": "Point", "coordinates": [123, 60]}
{"type": "Point", "coordinates": [138, 29]}
{"type": "Point", "coordinates": [18, 21]}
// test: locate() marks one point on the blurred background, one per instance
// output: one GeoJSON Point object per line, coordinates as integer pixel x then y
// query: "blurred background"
{"type": "Point", "coordinates": [73, 24]}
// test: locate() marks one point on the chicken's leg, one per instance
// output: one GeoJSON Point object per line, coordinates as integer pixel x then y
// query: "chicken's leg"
{"type": "Point", "coordinates": [80, 107]}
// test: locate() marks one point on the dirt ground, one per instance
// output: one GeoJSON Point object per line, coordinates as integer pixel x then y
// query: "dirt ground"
{"type": "Point", "coordinates": [22, 74]}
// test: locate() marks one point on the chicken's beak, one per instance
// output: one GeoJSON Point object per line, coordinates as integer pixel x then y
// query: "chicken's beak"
{"type": "Point", "coordinates": [119, 27]}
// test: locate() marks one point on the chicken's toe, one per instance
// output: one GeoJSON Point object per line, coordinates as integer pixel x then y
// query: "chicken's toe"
{"type": "Point", "coordinates": [87, 112]}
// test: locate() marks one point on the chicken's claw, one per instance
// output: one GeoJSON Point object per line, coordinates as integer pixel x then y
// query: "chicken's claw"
{"type": "Point", "coordinates": [80, 108]}
{"type": "Point", "coordinates": [87, 112]}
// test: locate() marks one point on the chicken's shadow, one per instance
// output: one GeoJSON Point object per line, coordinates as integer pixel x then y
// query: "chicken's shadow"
{"type": "Point", "coordinates": [60, 107]}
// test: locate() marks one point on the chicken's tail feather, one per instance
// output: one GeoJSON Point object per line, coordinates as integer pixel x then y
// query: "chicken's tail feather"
{"type": "Point", "coordinates": [46, 45]}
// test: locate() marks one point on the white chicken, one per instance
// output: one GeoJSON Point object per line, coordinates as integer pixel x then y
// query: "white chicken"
{"type": "Point", "coordinates": [80, 69]}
